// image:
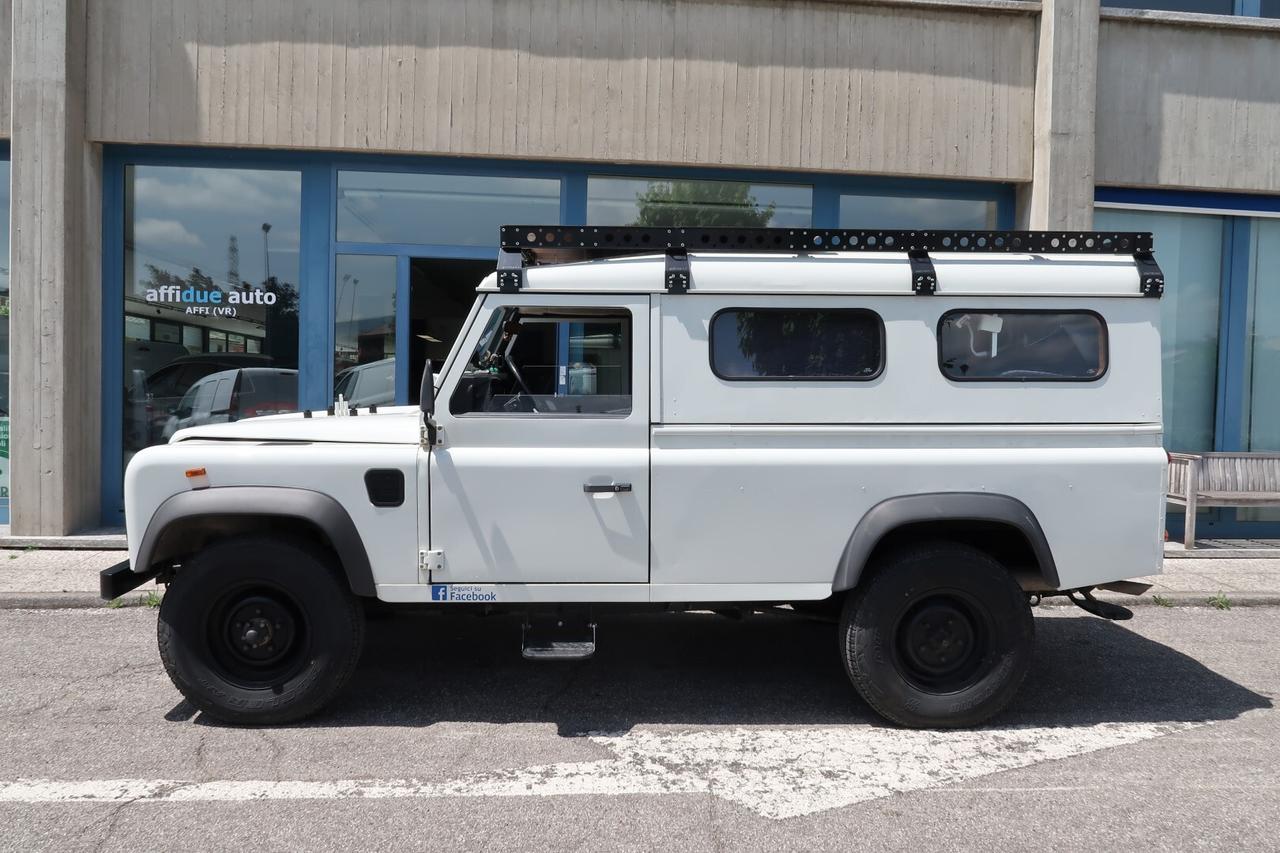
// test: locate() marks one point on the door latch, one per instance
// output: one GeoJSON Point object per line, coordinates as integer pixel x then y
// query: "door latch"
{"type": "Point", "coordinates": [429, 562]}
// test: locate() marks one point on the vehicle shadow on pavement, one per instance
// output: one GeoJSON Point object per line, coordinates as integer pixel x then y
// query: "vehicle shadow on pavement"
{"type": "Point", "coordinates": [701, 669]}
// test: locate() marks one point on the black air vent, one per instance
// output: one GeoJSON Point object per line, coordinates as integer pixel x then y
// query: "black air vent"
{"type": "Point", "coordinates": [385, 486]}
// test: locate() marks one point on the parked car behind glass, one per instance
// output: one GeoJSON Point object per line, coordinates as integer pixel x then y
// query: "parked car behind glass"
{"type": "Point", "coordinates": [372, 384]}
{"type": "Point", "coordinates": [233, 395]}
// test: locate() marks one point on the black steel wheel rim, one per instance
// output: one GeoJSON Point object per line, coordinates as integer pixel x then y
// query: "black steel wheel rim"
{"type": "Point", "coordinates": [258, 635]}
{"type": "Point", "coordinates": [942, 641]}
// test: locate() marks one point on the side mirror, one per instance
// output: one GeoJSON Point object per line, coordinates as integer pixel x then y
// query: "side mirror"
{"type": "Point", "coordinates": [427, 402]}
{"type": "Point", "coordinates": [427, 391]}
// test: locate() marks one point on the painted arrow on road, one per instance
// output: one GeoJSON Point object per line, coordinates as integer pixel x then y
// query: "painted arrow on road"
{"type": "Point", "coordinates": [777, 773]}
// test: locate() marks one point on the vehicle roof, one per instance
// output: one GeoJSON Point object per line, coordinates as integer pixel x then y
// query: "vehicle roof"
{"type": "Point", "coordinates": [858, 273]}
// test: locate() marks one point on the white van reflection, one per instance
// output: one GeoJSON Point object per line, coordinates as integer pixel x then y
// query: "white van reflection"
{"type": "Point", "coordinates": [372, 384]}
{"type": "Point", "coordinates": [233, 395]}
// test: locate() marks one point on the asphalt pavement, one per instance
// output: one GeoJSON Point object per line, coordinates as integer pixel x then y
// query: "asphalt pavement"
{"type": "Point", "coordinates": [688, 731]}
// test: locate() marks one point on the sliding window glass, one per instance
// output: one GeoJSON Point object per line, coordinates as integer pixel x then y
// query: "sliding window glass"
{"type": "Point", "coordinates": [211, 263]}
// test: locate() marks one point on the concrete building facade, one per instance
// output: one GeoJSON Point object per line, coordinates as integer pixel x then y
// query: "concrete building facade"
{"type": "Point", "coordinates": [267, 203]}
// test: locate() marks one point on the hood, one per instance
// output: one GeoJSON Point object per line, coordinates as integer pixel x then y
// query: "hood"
{"type": "Point", "coordinates": [398, 425]}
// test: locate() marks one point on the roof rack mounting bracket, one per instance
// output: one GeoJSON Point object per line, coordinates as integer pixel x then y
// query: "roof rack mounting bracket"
{"type": "Point", "coordinates": [924, 278]}
{"type": "Point", "coordinates": [677, 278]}
{"type": "Point", "coordinates": [510, 269]}
{"type": "Point", "coordinates": [1150, 276]}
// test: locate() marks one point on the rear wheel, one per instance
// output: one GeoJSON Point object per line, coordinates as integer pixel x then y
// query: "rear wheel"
{"type": "Point", "coordinates": [937, 636]}
{"type": "Point", "coordinates": [260, 630]}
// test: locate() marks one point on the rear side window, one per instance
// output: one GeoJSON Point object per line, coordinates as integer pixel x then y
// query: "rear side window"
{"type": "Point", "coordinates": [802, 344]}
{"type": "Point", "coordinates": [1022, 346]}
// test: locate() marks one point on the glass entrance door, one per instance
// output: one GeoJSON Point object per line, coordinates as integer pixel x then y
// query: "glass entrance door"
{"type": "Point", "coordinates": [392, 313]}
{"type": "Point", "coordinates": [441, 291]}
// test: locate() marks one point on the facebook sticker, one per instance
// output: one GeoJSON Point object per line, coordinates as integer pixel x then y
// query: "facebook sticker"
{"type": "Point", "coordinates": [439, 592]}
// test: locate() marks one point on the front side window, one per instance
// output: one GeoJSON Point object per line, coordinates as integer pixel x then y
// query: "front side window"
{"type": "Point", "coordinates": [1022, 346]}
{"type": "Point", "coordinates": [797, 344]}
{"type": "Point", "coordinates": [549, 362]}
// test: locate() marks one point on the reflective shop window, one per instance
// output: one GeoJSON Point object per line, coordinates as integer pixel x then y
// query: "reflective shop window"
{"type": "Point", "coordinates": [1262, 351]}
{"type": "Point", "coordinates": [675, 201]}
{"type": "Point", "coordinates": [4, 335]}
{"type": "Point", "coordinates": [1022, 346]}
{"type": "Point", "coordinates": [210, 297]}
{"type": "Point", "coordinates": [1262, 348]}
{"type": "Point", "coordinates": [364, 331]}
{"type": "Point", "coordinates": [906, 212]}
{"type": "Point", "coordinates": [438, 209]}
{"type": "Point", "coordinates": [1207, 7]}
{"type": "Point", "coordinates": [797, 344]}
{"type": "Point", "coordinates": [541, 362]}
{"type": "Point", "coordinates": [1189, 251]}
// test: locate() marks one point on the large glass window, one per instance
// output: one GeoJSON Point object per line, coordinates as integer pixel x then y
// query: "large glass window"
{"type": "Point", "coordinates": [455, 210]}
{"type": "Point", "coordinates": [797, 344]}
{"type": "Point", "coordinates": [211, 262]}
{"type": "Point", "coordinates": [1188, 248]}
{"type": "Point", "coordinates": [1210, 7]}
{"type": "Point", "coordinates": [1022, 346]}
{"type": "Point", "coordinates": [1262, 351]}
{"type": "Point", "coordinates": [906, 212]}
{"type": "Point", "coordinates": [676, 201]}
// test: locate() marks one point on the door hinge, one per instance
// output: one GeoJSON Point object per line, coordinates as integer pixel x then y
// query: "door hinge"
{"type": "Point", "coordinates": [429, 563]}
{"type": "Point", "coordinates": [424, 436]}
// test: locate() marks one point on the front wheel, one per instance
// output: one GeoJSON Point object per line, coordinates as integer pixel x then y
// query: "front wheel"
{"type": "Point", "coordinates": [937, 636]}
{"type": "Point", "coordinates": [259, 630]}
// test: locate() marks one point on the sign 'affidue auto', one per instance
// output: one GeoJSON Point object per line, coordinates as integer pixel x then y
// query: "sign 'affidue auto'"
{"type": "Point", "coordinates": [199, 300]}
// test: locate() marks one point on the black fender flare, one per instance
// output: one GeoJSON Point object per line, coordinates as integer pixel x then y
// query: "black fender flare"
{"type": "Point", "coordinates": [315, 508]}
{"type": "Point", "coordinates": [893, 513]}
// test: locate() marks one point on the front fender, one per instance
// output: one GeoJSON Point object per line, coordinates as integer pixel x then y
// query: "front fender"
{"type": "Point", "coordinates": [313, 508]}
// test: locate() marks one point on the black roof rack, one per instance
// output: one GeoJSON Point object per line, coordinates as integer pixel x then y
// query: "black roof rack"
{"type": "Point", "coordinates": [522, 246]}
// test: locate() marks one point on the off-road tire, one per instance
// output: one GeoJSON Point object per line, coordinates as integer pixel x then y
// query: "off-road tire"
{"type": "Point", "coordinates": [299, 586]}
{"type": "Point", "coordinates": [912, 610]}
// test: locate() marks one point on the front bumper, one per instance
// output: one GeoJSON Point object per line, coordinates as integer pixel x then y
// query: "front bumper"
{"type": "Point", "coordinates": [120, 579]}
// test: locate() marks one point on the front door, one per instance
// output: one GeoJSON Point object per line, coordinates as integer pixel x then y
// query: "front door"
{"type": "Point", "coordinates": [543, 475]}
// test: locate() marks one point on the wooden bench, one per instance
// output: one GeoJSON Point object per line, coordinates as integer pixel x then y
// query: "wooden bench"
{"type": "Point", "coordinates": [1222, 479]}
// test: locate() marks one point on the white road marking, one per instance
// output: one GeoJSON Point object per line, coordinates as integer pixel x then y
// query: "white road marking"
{"type": "Point", "coordinates": [777, 773]}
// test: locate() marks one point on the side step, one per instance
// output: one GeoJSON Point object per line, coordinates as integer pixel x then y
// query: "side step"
{"type": "Point", "coordinates": [558, 637]}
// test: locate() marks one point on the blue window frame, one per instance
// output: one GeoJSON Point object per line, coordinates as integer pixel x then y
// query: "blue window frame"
{"type": "Point", "coordinates": [320, 247]}
{"type": "Point", "coordinates": [1238, 212]}
{"type": "Point", "coordinates": [4, 324]}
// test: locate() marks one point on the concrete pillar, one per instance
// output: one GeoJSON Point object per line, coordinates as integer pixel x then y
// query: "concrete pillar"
{"type": "Point", "coordinates": [1060, 195]}
{"type": "Point", "coordinates": [55, 280]}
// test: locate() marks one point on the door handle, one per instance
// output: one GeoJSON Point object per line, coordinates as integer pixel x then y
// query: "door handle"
{"type": "Point", "coordinates": [606, 487]}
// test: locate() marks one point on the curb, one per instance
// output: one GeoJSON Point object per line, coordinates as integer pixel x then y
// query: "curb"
{"type": "Point", "coordinates": [67, 600]}
{"type": "Point", "coordinates": [64, 543]}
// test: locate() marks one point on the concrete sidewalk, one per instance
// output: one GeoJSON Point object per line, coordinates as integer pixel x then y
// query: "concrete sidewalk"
{"type": "Point", "coordinates": [38, 578]}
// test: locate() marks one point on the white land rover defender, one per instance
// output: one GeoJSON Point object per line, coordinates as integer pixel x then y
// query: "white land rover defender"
{"type": "Point", "coordinates": [919, 432]}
